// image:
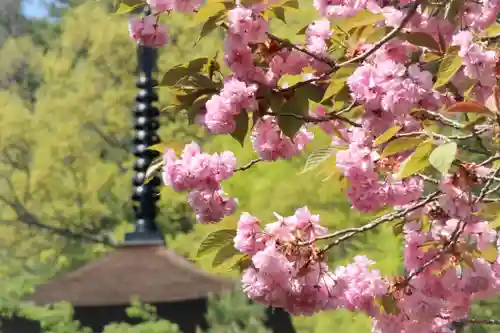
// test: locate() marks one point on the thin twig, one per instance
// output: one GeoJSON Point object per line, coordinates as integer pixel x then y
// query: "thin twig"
{"type": "Point", "coordinates": [428, 179]}
{"type": "Point", "coordinates": [248, 165]}
{"type": "Point", "coordinates": [375, 223]}
{"type": "Point", "coordinates": [411, 11]}
{"type": "Point", "coordinates": [444, 120]}
{"type": "Point", "coordinates": [490, 160]}
{"type": "Point", "coordinates": [486, 187]}
{"type": "Point", "coordinates": [482, 321]}
{"type": "Point", "coordinates": [287, 43]}
{"type": "Point", "coordinates": [315, 120]}
{"type": "Point", "coordinates": [453, 239]}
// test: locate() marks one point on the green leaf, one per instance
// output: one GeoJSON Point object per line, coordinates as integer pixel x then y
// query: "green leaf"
{"type": "Point", "coordinates": [317, 157]}
{"type": "Point", "coordinates": [225, 253]}
{"type": "Point", "coordinates": [210, 25]}
{"type": "Point", "coordinates": [174, 75]}
{"type": "Point", "coordinates": [153, 169]}
{"type": "Point", "coordinates": [373, 36]}
{"type": "Point", "coordinates": [211, 8]}
{"type": "Point", "coordinates": [443, 156]}
{"type": "Point", "coordinates": [338, 81]}
{"type": "Point", "coordinates": [290, 80]}
{"type": "Point", "coordinates": [397, 229]}
{"type": "Point", "coordinates": [428, 57]}
{"type": "Point", "coordinates": [492, 31]}
{"type": "Point", "coordinates": [215, 240]}
{"type": "Point", "coordinates": [243, 263]}
{"type": "Point", "coordinates": [127, 6]}
{"type": "Point", "coordinates": [421, 39]}
{"type": "Point", "coordinates": [291, 4]}
{"type": "Point", "coordinates": [194, 109]}
{"type": "Point", "coordinates": [416, 162]}
{"type": "Point", "coordinates": [248, 3]}
{"type": "Point", "coordinates": [279, 13]}
{"type": "Point", "coordinates": [387, 135]}
{"type": "Point", "coordinates": [447, 69]}
{"type": "Point", "coordinates": [297, 105]}
{"type": "Point", "coordinates": [389, 304]}
{"type": "Point", "coordinates": [303, 30]}
{"type": "Point", "coordinates": [400, 145]}
{"type": "Point", "coordinates": [452, 10]}
{"type": "Point", "coordinates": [196, 65]}
{"type": "Point", "coordinates": [241, 130]}
{"type": "Point", "coordinates": [489, 254]}
{"type": "Point", "coordinates": [363, 18]}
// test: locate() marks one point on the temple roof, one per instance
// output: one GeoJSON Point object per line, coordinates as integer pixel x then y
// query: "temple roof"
{"type": "Point", "coordinates": [154, 274]}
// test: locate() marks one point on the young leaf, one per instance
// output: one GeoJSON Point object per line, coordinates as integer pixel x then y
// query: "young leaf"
{"type": "Point", "coordinates": [291, 4]}
{"type": "Point", "coordinates": [297, 105]}
{"type": "Point", "coordinates": [401, 144]}
{"type": "Point", "coordinates": [243, 263]}
{"type": "Point", "coordinates": [125, 8]}
{"type": "Point", "coordinates": [448, 67]}
{"type": "Point", "coordinates": [387, 135]}
{"type": "Point", "coordinates": [489, 254]}
{"type": "Point", "coordinates": [443, 156]}
{"type": "Point", "coordinates": [241, 130]}
{"type": "Point", "coordinates": [416, 162]}
{"type": "Point", "coordinates": [216, 240]}
{"type": "Point", "coordinates": [338, 81]}
{"type": "Point", "coordinates": [492, 31]}
{"type": "Point", "coordinates": [153, 168]}
{"type": "Point", "coordinates": [211, 8]}
{"type": "Point", "coordinates": [428, 57]}
{"type": "Point", "coordinates": [397, 229]}
{"type": "Point", "coordinates": [421, 39]}
{"type": "Point", "coordinates": [468, 106]}
{"type": "Point", "coordinates": [303, 30]}
{"type": "Point", "coordinates": [225, 253]}
{"type": "Point", "coordinates": [389, 304]}
{"type": "Point", "coordinates": [362, 18]}
{"type": "Point", "coordinates": [174, 75]}
{"type": "Point", "coordinates": [279, 13]}
{"type": "Point", "coordinates": [317, 157]}
{"type": "Point", "coordinates": [210, 25]}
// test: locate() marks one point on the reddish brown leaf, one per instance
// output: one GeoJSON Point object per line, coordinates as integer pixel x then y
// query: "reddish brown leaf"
{"type": "Point", "coordinates": [468, 106]}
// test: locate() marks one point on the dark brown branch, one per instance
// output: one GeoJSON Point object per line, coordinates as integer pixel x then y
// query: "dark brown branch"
{"type": "Point", "coordinates": [248, 165]}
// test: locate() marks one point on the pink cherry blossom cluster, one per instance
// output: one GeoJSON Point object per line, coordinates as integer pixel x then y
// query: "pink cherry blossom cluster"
{"type": "Point", "coordinates": [448, 243]}
{"type": "Point", "coordinates": [222, 108]}
{"type": "Point", "coordinates": [270, 143]}
{"type": "Point", "coordinates": [201, 174]}
{"type": "Point", "coordinates": [288, 270]}
{"type": "Point", "coordinates": [148, 31]}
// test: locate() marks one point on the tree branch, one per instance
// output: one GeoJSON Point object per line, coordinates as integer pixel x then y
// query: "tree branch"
{"type": "Point", "coordinates": [375, 223]}
{"type": "Point", "coordinates": [411, 11]}
{"type": "Point", "coordinates": [289, 44]}
{"type": "Point", "coordinates": [31, 220]}
{"type": "Point", "coordinates": [316, 120]}
{"type": "Point", "coordinates": [248, 165]}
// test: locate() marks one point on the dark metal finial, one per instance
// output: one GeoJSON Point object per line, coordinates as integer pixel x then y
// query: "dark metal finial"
{"type": "Point", "coordinates": [146, 124]}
